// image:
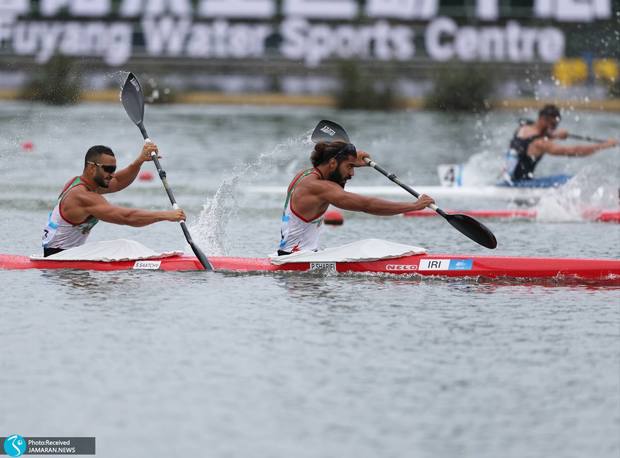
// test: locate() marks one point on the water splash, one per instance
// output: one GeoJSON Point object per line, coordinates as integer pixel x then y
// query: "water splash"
{"type": "Point", "coordinates": [209, 231]}
{"type": "Point", "coordinates": [587, 193]}
{"type": "Point", "coordinates": [483, 168]}
{"type": "Point", "coordinates": [117, 76]}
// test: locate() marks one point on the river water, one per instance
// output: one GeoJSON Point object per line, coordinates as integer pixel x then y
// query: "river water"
{"type": "Point", "coordinates": [221, 365]}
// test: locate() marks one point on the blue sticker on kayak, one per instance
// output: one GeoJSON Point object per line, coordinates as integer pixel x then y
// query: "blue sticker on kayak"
{"type": "Point", "coordinates": [461, 264]}
{"type": "Point", "coordinates": [446, 264]}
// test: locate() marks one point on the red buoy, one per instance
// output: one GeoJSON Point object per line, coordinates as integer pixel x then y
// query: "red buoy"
{"type": "Point", "coordinates": [333, 217]}
{"type": "Point", "coordinates": [146, 175]}
{"type": "Point", "coordinates": [27, 146]}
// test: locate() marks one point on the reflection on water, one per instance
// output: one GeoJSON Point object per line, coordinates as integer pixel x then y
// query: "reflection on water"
{"type": "Point", "coordinates": [95, 283]}
{"type": "Point", "coordinates": [328, 287]}
{"type": "Point", "coordinates": [80, 279]}
{"type": "Point", "coordinates": [298, 283]}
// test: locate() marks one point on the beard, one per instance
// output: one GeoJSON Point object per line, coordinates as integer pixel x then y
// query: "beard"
{"type": "Point", "coordinates": [337, 177]}
{"type": "Point", "coordinates": [100, 181]}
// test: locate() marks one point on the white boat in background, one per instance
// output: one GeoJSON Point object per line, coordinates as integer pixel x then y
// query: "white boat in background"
{"type": "Point", "coordinates": [437, 192]}
{"type": "Point", "coordinates": [453, 175]}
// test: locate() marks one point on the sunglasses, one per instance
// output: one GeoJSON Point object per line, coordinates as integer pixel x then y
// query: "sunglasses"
{"type": "Point", "coordinates": [106, 168]}
{"type": "Point", "coordinates": [555, 122]}
{"type": "Point", "coordinates": [347, 150]}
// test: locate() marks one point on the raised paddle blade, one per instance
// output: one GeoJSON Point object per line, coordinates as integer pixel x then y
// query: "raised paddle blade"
{"type": "Point", "coordinates": [132, 98]}
{"type": "Point", "coordinates": [473, 229]}
{"type": "Point", "coordinates": [329, 131]}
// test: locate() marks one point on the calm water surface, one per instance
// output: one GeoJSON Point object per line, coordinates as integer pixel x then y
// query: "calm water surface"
{"type": "Point", "coordinates": [169, 364]}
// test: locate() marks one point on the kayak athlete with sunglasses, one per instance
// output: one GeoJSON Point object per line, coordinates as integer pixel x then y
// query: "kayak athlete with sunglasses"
{"type": "Point", "coordinates": [313, 190]}
{"type": "Point", "coordinates": [81, 205]}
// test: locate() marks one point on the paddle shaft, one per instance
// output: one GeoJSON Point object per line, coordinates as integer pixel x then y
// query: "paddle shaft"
{"type": "Point", "coordinates": [132, 99]}
{"type": "Point", "coordinates": [162, 175]}
{"type": "Point", "coordinates": [585, 138]}
{"type": "Point", "coordinates": [466, 225]}
{"type": "Point", "coordinates": [407, 188]}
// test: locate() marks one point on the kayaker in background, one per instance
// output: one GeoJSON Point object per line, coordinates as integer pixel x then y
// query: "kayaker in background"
{"type": "Point", "coordinates": [532, 140]}
{"type": "Point", "coordinates": [80, 205]}
{"type": "Point", "coordinates": [313, 190]}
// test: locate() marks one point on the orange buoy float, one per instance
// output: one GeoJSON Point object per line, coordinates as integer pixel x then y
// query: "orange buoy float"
{"type": "Point", "coordinates": [146, 175]}
{"type": "Point", "coordinates": [333, 217]}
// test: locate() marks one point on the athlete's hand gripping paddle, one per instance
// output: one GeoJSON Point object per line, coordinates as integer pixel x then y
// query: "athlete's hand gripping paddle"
{"type": "Point", "coordinates": [329, 131]}
{"type": "Point", "coordinates": [132, 98]}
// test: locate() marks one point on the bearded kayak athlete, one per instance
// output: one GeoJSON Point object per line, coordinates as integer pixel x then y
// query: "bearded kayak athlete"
{"type": "Point", "coordinates": [81, 205]}
{"type": "Point", "coordinates": [532, 140]}
{"type": "Point", "coordinates": [314, 189]}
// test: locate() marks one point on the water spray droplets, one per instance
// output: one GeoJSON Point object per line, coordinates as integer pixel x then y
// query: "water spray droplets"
{"type": "Point", "coordinates": [588, 191]}
{"type": "Point", "coordinates": [210, 229]}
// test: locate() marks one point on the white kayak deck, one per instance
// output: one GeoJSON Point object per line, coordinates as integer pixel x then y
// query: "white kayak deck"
{"type": "Point", "coordinates": [130, 250]}
{"type": "Point", "coordinates": [362, 250]}
{"type": "Point", "coordinates": [107, 251]}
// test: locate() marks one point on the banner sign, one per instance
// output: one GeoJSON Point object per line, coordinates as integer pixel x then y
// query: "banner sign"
{"type": "Point", "coordinates": [310, 31]}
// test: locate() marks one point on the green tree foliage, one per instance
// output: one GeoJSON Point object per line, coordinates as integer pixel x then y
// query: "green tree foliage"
{"type": "Point", "coordinates": [360, 91]}
{"type": "Point", "coordinates": [462, 88]}
{"type": "Point", "coordinates": [57, 83]}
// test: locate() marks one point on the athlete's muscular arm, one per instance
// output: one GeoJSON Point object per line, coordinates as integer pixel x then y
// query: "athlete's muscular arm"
{"type": "Point", "coordinates": [562, 134]}
{"type": "Point", "coordinates": [338, 197]}
{"type": "Point", "coordinates": [126, 176]}
{"type": "Point", "coordinates": [546, 146]}
{"type": "Point", "coordinates": [96, 205]}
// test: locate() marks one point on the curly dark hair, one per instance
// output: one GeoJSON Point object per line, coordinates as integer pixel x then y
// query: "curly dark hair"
{"type": "Point", "coordinates": [324, 151]}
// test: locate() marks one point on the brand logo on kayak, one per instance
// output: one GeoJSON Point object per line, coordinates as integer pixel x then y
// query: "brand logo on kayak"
{"type": "Point", "coordinates": [461, 264]}
{"type": "Point", "coordinates": [401, 267]}
{"type": "Point", "coordinates": [147, 265]}
{"type": "Point", "coordinates": [446, 264]}
{"type": "Point", "coordinates": [323, 266]}
{"type": "Point", "coordinates": [328, 130]}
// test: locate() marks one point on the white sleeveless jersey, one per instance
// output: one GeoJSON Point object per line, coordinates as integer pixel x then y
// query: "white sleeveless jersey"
{"type": "Point", "coordinates": [298, 233]}
{"type": "Point", "coordinates": [63, 234]}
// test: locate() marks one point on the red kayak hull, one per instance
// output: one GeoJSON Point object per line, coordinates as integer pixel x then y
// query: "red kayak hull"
{"type": "Point", "coordinates": [435, 265]}
{"type": "Point", "coordinates": [604, 216]}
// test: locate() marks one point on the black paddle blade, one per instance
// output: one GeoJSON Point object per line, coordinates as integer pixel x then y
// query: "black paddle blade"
{"type": "Point", "coordinates": [473, 229]}
{"type": "Point", "coordinates": [329, 131]}
{"type": "Point", "coordinates": [132, 98]}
